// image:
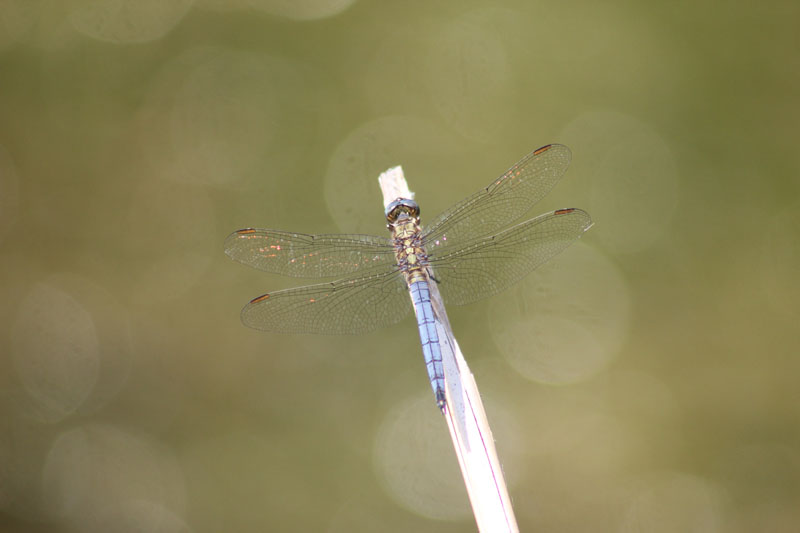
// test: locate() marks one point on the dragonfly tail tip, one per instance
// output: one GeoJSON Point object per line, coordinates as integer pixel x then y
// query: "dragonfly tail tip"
{"type": "Point", "coordinates": [441, 402]}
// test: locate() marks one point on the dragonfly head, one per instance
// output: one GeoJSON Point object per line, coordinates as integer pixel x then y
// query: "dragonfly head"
{"type": "Point", "coordinates": [400, 209]}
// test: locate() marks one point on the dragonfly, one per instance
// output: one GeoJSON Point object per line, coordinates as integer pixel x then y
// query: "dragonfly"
{"type": "Point", "coordinates": [473, 250]}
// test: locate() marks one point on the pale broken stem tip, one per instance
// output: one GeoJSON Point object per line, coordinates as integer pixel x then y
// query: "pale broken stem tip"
{"type": "Point", "coordinates": [393, 185]}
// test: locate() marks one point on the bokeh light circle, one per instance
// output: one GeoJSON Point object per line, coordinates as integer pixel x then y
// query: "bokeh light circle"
{"type": "Point", "coordinates": [299, 10]}
{"type": "Point", "coordinates": [467, 66]}
{"type": "Point", "coordinates": [566, 321]}
{"type": "Point", "coordinates": [414, 460]}
{"type": "Point", "coordinates": [631, 173]}
{"type": "Point", "coordinates": [92, 471]}
{"type": "Point", "coordinates": [71, 346]}
{"type": "Point", "coordinates": [351, 181]}
{"type": "Point", "coordinates": [129, 21]}
{"type": "Point", "coordinates": [217, 116]}
{"type": "Point", "coordinates": [55, 349]}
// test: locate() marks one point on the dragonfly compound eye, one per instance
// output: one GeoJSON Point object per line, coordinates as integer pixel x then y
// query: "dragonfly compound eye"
{"type": "Point", "coordinates": [401, 207]}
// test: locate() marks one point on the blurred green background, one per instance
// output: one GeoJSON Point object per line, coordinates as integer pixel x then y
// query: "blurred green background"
{"type": "Point", "coordinates": [644, 380]}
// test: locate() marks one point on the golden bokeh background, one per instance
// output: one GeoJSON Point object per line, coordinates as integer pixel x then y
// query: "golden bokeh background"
{"type": "Point", "coordinates": [644, 380]}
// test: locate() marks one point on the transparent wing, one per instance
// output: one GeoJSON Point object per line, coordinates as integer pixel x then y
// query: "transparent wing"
{"type": "Point", "coordinates": [505, 199]}
{"type": "Point", "coordinates": [486, 266]}
{"type": "Point", "coordinates": [348, 306]}
{"type": "Point", "coordinates": [308, 256]}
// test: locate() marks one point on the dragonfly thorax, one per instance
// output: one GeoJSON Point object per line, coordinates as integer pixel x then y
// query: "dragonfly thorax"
{"type": "Point", "coordinates": [402, 216]}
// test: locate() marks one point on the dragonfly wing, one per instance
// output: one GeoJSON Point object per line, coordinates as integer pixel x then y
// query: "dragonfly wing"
{"type": "Point", "coordinates": [308, 256]}
{"type": "Point", "coordinates": [487, 265]}
{"type": "Point", "coordinates": [504, 200]}
{"type": "Point", "coordinates": [348, 306]}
